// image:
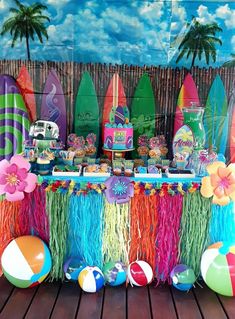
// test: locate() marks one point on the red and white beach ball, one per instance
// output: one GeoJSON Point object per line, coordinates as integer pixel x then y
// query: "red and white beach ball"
{"type": "Point", "coordinates": [91, 279]}
{"type": "Point", "coordinates": [139, 273]}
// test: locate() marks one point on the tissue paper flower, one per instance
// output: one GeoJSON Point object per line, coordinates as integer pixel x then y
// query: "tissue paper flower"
{"type": "Point", "coordinates": [220, 183]}
{"type": "Point", "coordinates": [119, 189]}
{"type": "Point", "coordinates": [15, 179]}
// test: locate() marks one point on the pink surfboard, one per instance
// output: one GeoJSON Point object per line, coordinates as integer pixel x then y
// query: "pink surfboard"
{"type": "Point", "coordinates": [188, 95]}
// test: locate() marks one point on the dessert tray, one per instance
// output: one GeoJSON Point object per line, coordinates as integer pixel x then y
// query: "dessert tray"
{"type": "Point", "coordinates": [61, 170]}
{"type": "Point", "coordinates": [180, 173]}
{"type": "Point", "coordinates": [147, 175]}
{"type": "Point", "coordinates": [96, 174]}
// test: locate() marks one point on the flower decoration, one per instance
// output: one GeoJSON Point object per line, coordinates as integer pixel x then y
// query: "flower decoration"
{"type": "Point", "coordinates": [220, 183]}
{"type": "Point", "coordinates": [15, 179]}
{"type": "Point", "coordinates": [119, 189]}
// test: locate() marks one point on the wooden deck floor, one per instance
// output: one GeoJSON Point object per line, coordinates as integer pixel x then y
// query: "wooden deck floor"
{"type": "Point", "coordinates": [62, 301]}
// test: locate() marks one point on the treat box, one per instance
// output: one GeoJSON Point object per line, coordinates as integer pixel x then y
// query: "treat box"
{"type": "Point", "coordinates": [58, 173]}
{"type": "Point", "coordinates": [147, 175]}
{"type": "Point", "coordinates": [93, 174]}
{"type": "Point", "coordinates": [180, 173]}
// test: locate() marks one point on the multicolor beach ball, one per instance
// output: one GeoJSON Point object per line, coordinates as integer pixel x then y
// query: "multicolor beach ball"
{"type": "Point", "coordinates": [115, 273]}
{"type": "Point", "coordinates": [91, 279]}
{"type": "Point", "coordinates": [182, 277]}
{"type": "Point", "coordinates": [72, 268]}
{"type": "Point", "coordinates": [26, 261]}
{"type": "Point", "coordinates": [139, 273]}
{"type": "Point", "coordinates": [218, 268]}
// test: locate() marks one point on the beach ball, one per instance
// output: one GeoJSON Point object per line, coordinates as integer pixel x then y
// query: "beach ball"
{"type": "Point", "coordinates": [182, 277]}
{"type": "Point", "coordinates": [26, 261]}
{"type": "Point", "coordinates": [218, 268]}
{"type": "Point", "coordinates": [72, 268]}
{"type": "Point", "coordinates": [114, 273]}
{"type": "Point", "coordinates": [91, 279]}
{"type": "Point", "coordinates": [139, 273]}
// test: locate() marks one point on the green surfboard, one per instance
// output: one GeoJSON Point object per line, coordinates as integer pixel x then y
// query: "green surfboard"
{"type": "Point", "coordinates": [216, 116]}
{"type": "Point", "coordinates": [86, 114]}
{"type": "Point", "coordinates": [143, 110]}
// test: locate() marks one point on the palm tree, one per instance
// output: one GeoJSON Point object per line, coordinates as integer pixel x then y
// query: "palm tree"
{"type": "Point", "coordinates": [230, 63]}
{"type": "Point", "coordinates": [200, 38]}
{"type": "Point", "coordinates": [25, 23]}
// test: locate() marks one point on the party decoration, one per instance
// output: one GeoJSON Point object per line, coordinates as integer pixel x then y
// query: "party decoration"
{"type": "Point", "coordinates": [194, 230]}
{"type": "Point", "coordinates": [139, 273]}
{"type": "Point", "coordinates": [86, 110]}
{"type": "Point", "coordinates": [167, 242]}
{"type": "Point", "coordinates": [72, 268]}
{"type": "Point", "coordinates": [216, 116]}
{"type": "Point", "coordinates": [26, 261]}
{"type": "Point", "coordinates": [14, 120]}
{"type": "Point", "coordinates": [114, 273]}
{"type": "Point", "coordinates": [183, 141]}
{"type": "Point", "coordinates": [188, 94]}
{"type": "Point", "coordinates": [220, 183]}
{"type": "Point", "coordinates": [15, 179]}
{"type": "Point", "coordinates": [143, 109]}
{"type": "Point", "coordinates": [218, 267]}
{"type": "Point", "coordinates": [193, 118]}
{"type": "Point", "coordinates": [119, 189]}
{"type": "Point", "coordinates": [53, 106]}
{"type": "Point", "coordinates": [182, 277]}
{"type": "Point", "coordinates": [91, 279]}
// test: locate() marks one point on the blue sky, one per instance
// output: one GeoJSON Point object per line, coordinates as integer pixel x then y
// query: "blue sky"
{"type": "Point", "coordinates": [122, 31]}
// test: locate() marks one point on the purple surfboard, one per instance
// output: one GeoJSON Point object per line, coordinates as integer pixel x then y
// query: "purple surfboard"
{"type": "Point", "coordinates": [14, 119]}
{"type": "Point", "coordinates": [53, 104]}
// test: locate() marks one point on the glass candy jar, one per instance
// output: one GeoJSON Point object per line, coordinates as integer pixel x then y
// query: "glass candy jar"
{"type": "Point", "coordinates": [193, 117]}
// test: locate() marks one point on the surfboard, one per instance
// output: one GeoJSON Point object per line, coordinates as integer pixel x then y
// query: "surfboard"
{"type": "Point", "coordinates": [115, 96]}
{"type": "Point", "coordinates": [86, 112]}
{"type": "Point", "coordinates": [53, 106]}
{"type": "Point", "coordinates": [26, 88]}
{"type": "Point", "coordinates": [231, 111]}
{"type": "Point", "coordinates": [215, 118]}
{"type": "Point", "coordinates": [143, 110]}
{"type": "Point", "coordinates": [188, 95]}
{"type": "Point", "coordinates": [14, 119]}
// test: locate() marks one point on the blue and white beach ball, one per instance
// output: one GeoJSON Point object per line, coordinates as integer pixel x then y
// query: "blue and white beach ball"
{"type": "Point", "coordinates": [91, 279]}
{"type": "Point", "coordinates": [115, 273]}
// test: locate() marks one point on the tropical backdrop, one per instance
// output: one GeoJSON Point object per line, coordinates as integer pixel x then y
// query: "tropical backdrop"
{"type": "Point", "coordinates": [49, 46]}
{"type": "Point", "coordinates": [133, 32]}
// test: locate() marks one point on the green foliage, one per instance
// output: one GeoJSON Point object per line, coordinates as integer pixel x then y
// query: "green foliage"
{"type": "Point", "coordinates": [26, 22]}
{"type": "Point", "coordinates": [231, 63]}
{"type": "Point", "coordinates": [200, 40]}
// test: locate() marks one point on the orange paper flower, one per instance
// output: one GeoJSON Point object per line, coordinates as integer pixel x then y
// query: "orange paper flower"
{"type": "Point", "coordinates": [220, 183]}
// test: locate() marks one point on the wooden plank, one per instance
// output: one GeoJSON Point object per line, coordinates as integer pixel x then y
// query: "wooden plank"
{"type": "Point", "coordinates": [138, 303]}
{"type": "Point", "coordinates": [114, 302]}
{"type": "Point", "coordinates": [162, 296]}
{"type": "Point", "coordinates": [229, 305]}
{"type": "Point", "coordinates": [5, 291]}
{"type": "Point", "coordinates": [43, 301]}
{"type": "Point", "coordinates": [209, 303]}
{"type": "Point", "coordinates": [91, 305]}
{"type": "Point", "coordinates": [17, 305]}
{"type": "Point", "coordinates": [186, 305]}
{"type": "Point", "coordinates": [67, 301]}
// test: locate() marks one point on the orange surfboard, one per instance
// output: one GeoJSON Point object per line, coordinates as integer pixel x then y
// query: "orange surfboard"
{"type": "Point", "coordinates": [26, 87]}
{"type": "Point", "coordinates": [115, 96]}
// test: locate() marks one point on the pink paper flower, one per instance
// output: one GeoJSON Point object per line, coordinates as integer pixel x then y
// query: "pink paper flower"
{"type": "Point", "coordinates": [220, 183]}
{"type": "Point", "coordinates": [15, 179]}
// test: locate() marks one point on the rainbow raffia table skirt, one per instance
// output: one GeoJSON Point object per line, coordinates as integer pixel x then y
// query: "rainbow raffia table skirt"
{"type": "Point", "coordinates": [166, 221]}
